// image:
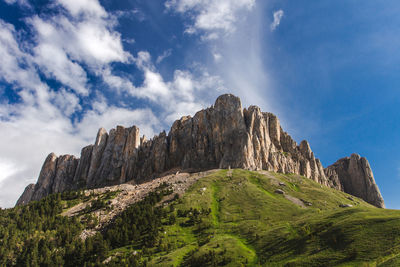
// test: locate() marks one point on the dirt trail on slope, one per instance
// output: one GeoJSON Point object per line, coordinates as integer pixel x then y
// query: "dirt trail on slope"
{"type": "Point", "coordinates": [131, 193]}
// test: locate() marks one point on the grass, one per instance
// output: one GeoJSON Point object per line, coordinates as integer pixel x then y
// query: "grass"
{"type": "Point", "coordinates": [250, 225]}
{"type": "Point", "coordinates": [215, 208]}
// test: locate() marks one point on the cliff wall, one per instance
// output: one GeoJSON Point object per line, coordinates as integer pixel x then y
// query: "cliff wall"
{"type": "Point", "coordinates": [221, 136]}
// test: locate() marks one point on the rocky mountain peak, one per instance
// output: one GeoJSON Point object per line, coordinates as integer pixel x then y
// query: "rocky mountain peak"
{"type": "Point", "coordinates": [222, 136]}
{"type": "Point", "coordinates": [355, 175]}
{"type": "Point", "coordinates": [101, 137]}
{"type": "Point", "coordinates": [26, 195]}
{"type": "Point", "coordinates": [228, 103]}
{"type": "Point", "coordinates": [305, 149]}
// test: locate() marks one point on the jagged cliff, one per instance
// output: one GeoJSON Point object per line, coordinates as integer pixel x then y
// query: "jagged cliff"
{"type": "Point", "coordinates": [222, 136]}
{"type": "Point", "coordinates": [355, 176]}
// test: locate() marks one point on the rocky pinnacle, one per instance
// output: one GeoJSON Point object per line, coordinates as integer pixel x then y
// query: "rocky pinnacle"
{"type": "Point", "coordinates": [356, 178]}
{"type": "Point", "coordinates": [222, 136]}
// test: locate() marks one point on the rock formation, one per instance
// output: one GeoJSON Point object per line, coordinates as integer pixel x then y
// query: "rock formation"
{"type": "Point", "coordinates": [26, 195]}
{"type": "Point", "coordinates": [221, 136]}
{"type": "Point", "coordinates": [356, 178]}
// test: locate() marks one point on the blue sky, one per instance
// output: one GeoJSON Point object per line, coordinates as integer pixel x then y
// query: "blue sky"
{"type": "Point", "coordinates": [328, 69]}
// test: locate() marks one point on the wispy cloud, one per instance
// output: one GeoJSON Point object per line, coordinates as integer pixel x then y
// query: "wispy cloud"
{"type": "Point", "coordinates": [210, 17]}
{"type": "Point", "coordinates": [238, 57]}
{"type": "Point", "coordinates": [22, 3]}
{"type": "Point", "coordinates": [133, 13]}
{"type": "Point", "coordinates": [164, 55]}
{"type": "Point", "coordinates": [176, 97]}
{"type": "Point", "coordinates": [277, 19]}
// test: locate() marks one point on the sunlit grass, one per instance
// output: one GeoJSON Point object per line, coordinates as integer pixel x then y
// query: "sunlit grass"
{"type": "Point", "coordinates": [250, 225]}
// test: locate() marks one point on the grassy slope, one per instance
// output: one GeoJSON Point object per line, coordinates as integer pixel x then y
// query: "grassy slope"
{"type": "Point", "coordinates": [251, 225]}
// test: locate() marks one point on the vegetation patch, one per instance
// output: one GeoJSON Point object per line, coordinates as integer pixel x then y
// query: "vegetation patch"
{"type": "Point", "coordinates": [221, 220]}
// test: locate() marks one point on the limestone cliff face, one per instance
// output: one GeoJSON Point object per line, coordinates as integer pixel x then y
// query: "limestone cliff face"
{"type": "Point", "coordinates": [26, 195]}
{"type": "Point", "coordinates": [222, 136]}
{"type": "Point", "coordinates": [356, 178]}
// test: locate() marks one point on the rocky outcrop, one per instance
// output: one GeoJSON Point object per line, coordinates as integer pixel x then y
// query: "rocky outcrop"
{"type": "Point", "coordinates": [104, 163]}
{"type": "Point", "coordinates": [221, 136]}
{"type": "Point", "coordinates": [57, 175]}
{"type": "Point", "coordinates": [46, 178]}
{"type": "Point", "coordinates": [26, 195]}
{"type": "Point", "coordinates": [355, 176]}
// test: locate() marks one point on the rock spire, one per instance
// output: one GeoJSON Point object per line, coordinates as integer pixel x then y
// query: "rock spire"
{"type": "Point", "coordinates": [356, 178]}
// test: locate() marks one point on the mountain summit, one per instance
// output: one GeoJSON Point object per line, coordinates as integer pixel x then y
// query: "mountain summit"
{"type": "Point", "coordinates": [222, 136]}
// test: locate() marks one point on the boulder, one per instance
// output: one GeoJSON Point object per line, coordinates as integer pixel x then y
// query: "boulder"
{"type": "Point", "coordinates": [345, 205]}
{"type": "Point", "coordinates": [279, 191]}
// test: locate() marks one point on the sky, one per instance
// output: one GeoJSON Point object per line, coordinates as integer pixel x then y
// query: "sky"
{"type": "Point", "coordinates": [328, 69]}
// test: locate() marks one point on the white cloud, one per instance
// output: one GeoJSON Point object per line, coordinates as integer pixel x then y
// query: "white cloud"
{"type": "Point", "coordinates": [110, 116]}
{"type": "Point", "coordinates": [164, 55]}
{"type": "Point", "coordinates": [238, 58]}
{"type": "Point", "coordinates": [217, 56]}
{"type": "Point", "coordinates": [88, 41]}
{"type": "Point", "coordinates": [277, 19]}
{"type": "Point", "coordinates": [177, 97]}
{"type": "Point", "coordinates": [129, 14]}
{"type": "Point", "coordinates": [153, 87]}
{"type": "Point", "coordinates": [83, 36]}
{"type": "Point", "coordinates": [211, 16]}
{"type": "Point", "coordinates": [66, 47]}
{"type": "Point", "coordinates": [16, 66]}
{"type": "Point", "coordinates": [55, 63]}
{"type": "Point", "coordinates": [67, 102]}
{"type": "Point", "coordinates": [118, 83]}
{"type": "Point", "coordinates": [7, 169]}
{"type": "Point", "coordinates": [143, 60]}
{"type": "Point", "coordinates": [40, 122]}
{"type": "Point", "coordinates": [86, 7]}
{"type": "Point", "coordinates": [129, 40]}
{"type": "Point", "coordinates": [184, 84]}
{"type": "Point", "coordinates": [31, 132]}
{"type": "Point", "coordinates": [23, 3]}
{"type": "Point", "coordinates": [96, 43]}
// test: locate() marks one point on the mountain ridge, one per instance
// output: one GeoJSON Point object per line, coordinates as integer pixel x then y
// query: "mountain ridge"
{"type": "Point", "coordinates": [221, 136]}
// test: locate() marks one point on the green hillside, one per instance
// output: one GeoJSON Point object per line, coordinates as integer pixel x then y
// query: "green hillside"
{"type": "Point", "coordinates": [233, 218]}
